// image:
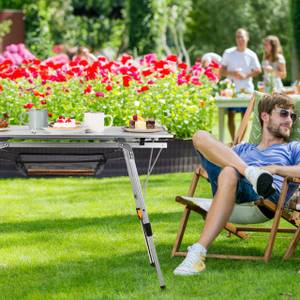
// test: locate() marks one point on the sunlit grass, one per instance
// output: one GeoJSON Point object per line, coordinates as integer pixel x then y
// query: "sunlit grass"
{"type": "Point", "coordinates": [80, 239]}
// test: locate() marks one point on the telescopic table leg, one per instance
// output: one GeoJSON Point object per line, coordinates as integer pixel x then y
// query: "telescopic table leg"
{"type": "Point", "coordinates": [141, 209]}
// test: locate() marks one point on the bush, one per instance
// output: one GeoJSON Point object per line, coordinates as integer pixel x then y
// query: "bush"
{"type": "Point", "coordinates": [177, 97]}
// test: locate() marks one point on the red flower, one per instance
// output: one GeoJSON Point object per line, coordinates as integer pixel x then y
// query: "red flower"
{"type": "Point", "coordinates": [172, 57]}
{"type": "Point", "coordinates": [126, 80]}
{"type": "Point", "coordinates": [1, 87]}
{"type": "Point", "coordinates": [159, 64]}
{"type": "Point", "coordinates": [215, 65]}
{"type": "Point", "coordinates": [165, 71]}
{"type": "Point", "coordinates": [125, 58]}
{"type": "Point", "coordinates": [147, 72]}
{"type": "Point", "coordinates": [28, 105]}
{"type": "Point", "coordinates": [210, 74]}
{"type": "Point", "coordinates": [43, 102]}
{"type": "Point", "coordinates": [143, 89]}
{"type": "Point", "coordinates": [88, 89]}
{"type": "Point", "coordinates": [182, 66]}
{"type": "Point", "coordinates": [108, 87]}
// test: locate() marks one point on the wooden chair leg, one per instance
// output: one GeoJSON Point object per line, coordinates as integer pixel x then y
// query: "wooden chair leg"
{"type": "Point", "coordinates": [293, 244]}
{"type": "Point", "coordinates": [276, 221]}
{"type": "Point", "coordinates": [194, 183]}
{"type": "Point", "coordinates": [181, 230]}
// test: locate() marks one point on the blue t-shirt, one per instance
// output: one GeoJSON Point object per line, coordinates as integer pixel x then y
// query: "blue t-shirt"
{"type": "Point", "coordinates": [278, 154]}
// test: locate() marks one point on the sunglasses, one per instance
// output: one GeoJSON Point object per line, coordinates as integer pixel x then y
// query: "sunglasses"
{"type": "Point", "coordinates": [284, 113]}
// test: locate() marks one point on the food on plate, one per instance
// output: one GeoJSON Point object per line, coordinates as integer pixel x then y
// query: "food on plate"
{"type": "Point", "coordinates": [3, 123]}
{"type": "Point", "coordinates": [138, 122]}
{"type": "Point", "coordinates": [150, 124]}
{"type": "Point", "coordinates": [64, 122]}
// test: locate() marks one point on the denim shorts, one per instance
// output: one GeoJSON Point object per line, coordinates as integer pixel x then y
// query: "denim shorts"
{"type": "Point", "coordinates": [237, 109]}
{"type": "Point", "coordinates": [244, 192]}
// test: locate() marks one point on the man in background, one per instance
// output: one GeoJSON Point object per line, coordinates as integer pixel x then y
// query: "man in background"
{"type": "Point", "coordinates": [240, 64]}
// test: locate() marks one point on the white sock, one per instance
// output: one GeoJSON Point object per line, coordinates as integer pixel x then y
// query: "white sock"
{"type": "Point", "coordinates": [199, 248]}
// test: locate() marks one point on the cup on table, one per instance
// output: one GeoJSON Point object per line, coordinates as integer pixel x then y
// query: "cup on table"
{"type": "Point", "coordinates": [37, 118]}
{"type": "Point", "coordinates": [94, 121]}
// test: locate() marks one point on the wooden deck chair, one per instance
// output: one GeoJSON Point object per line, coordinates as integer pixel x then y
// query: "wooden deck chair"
{"type": "Point", "coordinates": [246, 213]}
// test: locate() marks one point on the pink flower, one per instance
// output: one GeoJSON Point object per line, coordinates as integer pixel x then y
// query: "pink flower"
{"type": "Point", "coordinates": [149, 58]}
{"type": "Point", "coordinates": [99, 94]}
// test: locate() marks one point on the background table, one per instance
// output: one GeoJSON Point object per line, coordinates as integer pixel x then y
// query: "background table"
{"type": "Point", "coordinates": [112, 137]}
{"type": "Point", "coordinates": [225, 102]}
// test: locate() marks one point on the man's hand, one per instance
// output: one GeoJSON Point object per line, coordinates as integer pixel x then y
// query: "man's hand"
{"type": "Point", "coordinates": [272, 169]}
{"type": "Point", "coordinates": [240, 75]}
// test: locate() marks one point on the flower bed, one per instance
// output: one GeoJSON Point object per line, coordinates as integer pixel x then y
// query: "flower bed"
{"type": "Point", "coordinates": [177, 97]}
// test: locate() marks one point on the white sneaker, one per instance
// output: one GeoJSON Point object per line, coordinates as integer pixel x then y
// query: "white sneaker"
{"type": "Point", "coordinates": [261, 180]}
{"type": "Point", "coordinates": [193, 263]}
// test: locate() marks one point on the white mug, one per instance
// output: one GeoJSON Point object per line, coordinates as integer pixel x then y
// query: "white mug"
{"type": "Point", "coordinates": [94, 121]}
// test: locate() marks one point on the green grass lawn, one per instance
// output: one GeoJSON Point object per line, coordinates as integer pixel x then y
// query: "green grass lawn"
{"type": "Point", "coordinates": [80, 239]}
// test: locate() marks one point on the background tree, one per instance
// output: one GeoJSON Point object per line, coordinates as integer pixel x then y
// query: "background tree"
{"type": "Point", "coordinates": [139, 20]}
{"type": "Point", "coordinates": [295, 14]}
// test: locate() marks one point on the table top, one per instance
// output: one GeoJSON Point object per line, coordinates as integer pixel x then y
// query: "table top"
{"type": "Point", "coordinates": [241, 100]}
{"type": "Point", "coordinates": [110, 133]}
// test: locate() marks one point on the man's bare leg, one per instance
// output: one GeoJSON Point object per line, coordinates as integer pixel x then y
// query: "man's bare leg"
{"type": "Point", "coordinates": [222, 156]}
{"type": "Point", "coordinates": [221, 207]}
{"type": "Point", "coordinates": [217, 152]}
{"type": "Point", "coordinates": [216, 218]}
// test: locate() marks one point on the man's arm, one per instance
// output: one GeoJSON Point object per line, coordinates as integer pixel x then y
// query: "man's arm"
{"type": "Point", "coordinates": [225, 73]}
{"type": "Point", "coordinates": [292, 171]}
{"type": "Point", "coordinates": [254, 73]}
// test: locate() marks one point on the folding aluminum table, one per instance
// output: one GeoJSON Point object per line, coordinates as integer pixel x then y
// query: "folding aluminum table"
{"type": "Point", "coordinates": [112, 137]}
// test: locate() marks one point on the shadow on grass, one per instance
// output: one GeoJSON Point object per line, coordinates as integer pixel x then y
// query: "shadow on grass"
{"type": "Point", "coordinates": [118, 222]}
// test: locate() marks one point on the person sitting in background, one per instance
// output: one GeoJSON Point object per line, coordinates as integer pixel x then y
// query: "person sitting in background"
{"type": "Point", "coordinates": [240, 64]}
{"type": "Point", "coordinates": [84, 53]}
{"type": "Point", "coordinates": [273, 64]}
{"type": "Point", "coordinates": [209, 58]}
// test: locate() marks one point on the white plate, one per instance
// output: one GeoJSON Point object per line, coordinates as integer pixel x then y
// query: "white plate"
{"type": "Point", "coordinates": [4, 128]}
{"type": "Point", "coordinates": [54, 130]}
{"type": "Point", "coordinates": [156, 129]}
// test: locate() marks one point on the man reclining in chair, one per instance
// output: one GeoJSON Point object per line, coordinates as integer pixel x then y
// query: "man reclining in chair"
{"type": "Point", "coordinates": [245, 173]}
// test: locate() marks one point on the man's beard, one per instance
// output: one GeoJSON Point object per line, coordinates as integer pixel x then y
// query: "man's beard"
{"type": "Point", "coordinates": [278, 131]}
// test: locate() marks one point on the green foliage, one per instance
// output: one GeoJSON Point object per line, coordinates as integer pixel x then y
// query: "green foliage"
{"type": "Point", "coordinates": [169, 26]}
{"type": "Point", "coordinates": [295, 15]}
{"type": "Point", "coordinates": [95, 24]}
{"type": "Point", "coordinates": [38, 33]}
{"type": "Point", "coordinates": [140, 15]}
{"type": "Point", "coordinates": [4, 29]}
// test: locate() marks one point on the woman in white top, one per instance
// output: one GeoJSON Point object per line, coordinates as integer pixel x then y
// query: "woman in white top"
{"type": "Point", "coordinates": [273, 64]}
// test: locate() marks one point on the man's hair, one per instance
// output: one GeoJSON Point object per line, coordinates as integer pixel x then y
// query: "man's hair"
{"type": "Point", "coordinates": [243, 30]}
{"type": "Point", "coordinates": [269, 102]}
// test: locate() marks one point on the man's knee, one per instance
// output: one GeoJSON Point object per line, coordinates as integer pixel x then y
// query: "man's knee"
{"type": "Point", "coordinates": [200, 137]}
{"type": "Point", "coordinates": [228, 176]}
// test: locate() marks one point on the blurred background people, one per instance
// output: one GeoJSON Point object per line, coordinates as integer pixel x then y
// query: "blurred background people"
{"type": "Point", "coordinates": [240, 64]}
{"type": "Point", "coordinates": [84, 53]}
{"type": "Point", "coordinates": [209, 58]}
{"type": "Point", "coordinates": [274, 66]}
